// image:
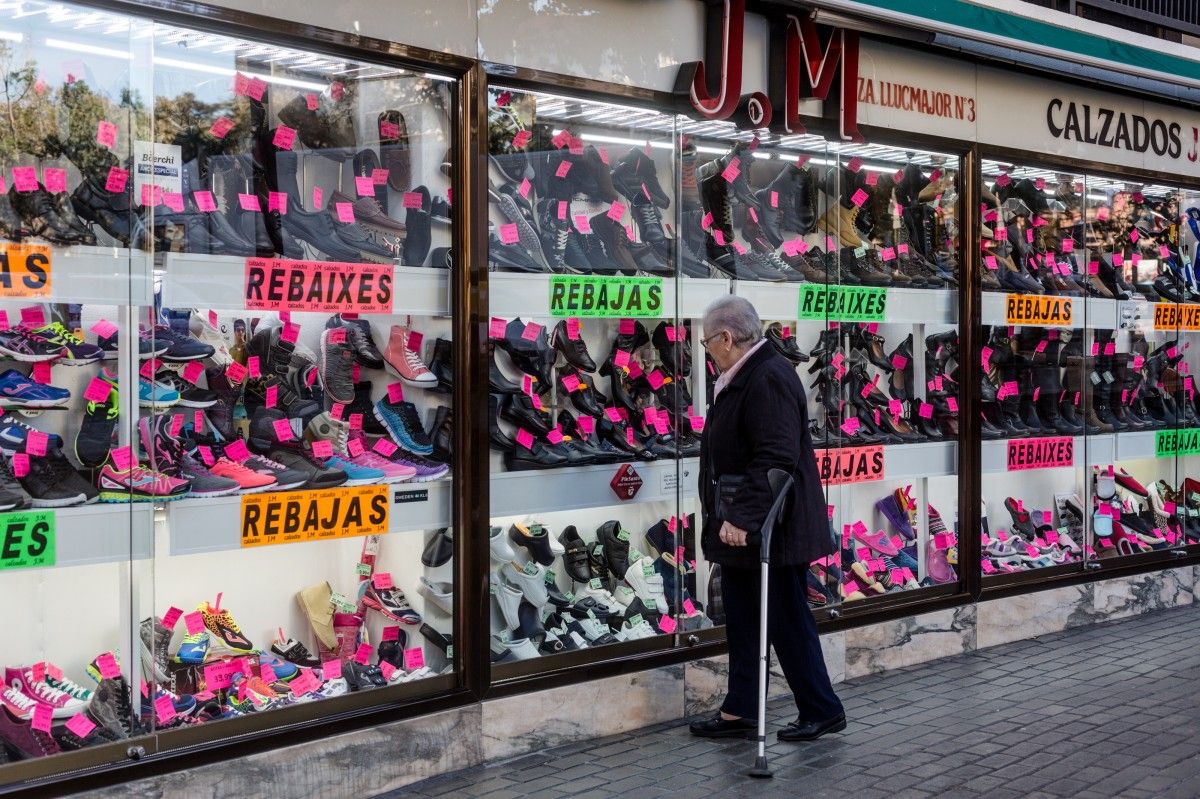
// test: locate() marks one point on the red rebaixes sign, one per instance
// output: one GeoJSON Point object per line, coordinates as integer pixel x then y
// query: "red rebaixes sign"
{"type": "Point", "coordinates": [278, 284]}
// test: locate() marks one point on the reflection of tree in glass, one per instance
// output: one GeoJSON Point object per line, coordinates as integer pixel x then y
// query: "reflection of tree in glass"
{"type": "Point", "coordinates": [185, 120]}
{"type": "Point", "coordinates": [27, 113]}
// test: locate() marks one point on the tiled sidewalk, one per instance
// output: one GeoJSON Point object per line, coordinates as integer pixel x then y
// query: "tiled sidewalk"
{"type": "Point", "coordinates": [1105, 711]}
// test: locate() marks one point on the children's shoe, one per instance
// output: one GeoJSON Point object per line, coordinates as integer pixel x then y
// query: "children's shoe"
{"type": "Point", "coordinates": [225, 636]}
{"type": "Point", "coordinates": [392, 603]}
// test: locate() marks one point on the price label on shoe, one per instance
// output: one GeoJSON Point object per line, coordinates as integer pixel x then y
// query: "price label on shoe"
{"type": "Point", "coordinates": [414, 659]}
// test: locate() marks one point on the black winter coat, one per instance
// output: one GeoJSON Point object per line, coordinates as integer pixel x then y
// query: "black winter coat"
{"type": "Point", "coordinates": [758, 422]}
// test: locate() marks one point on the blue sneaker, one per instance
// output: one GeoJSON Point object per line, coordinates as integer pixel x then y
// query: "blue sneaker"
{"type": "Point", "coordinates": [184, 704]}
{"type": "Point", "coordinates": [18, 391]}
{"type": "Point", "coordinates": [284, 671]}
{"type": "Point", "coordinates": [181, 347]}
{"type": "Point", "coordinates": [401, 420]}
{"type": "Point", "coordinates": [356, 475]}
{"type": "Point", "coordinates": [194, 648]}
{"type": "Point", "coordinates": [13, 433]}
{"type": "Point", "coordinates": [153, 394]}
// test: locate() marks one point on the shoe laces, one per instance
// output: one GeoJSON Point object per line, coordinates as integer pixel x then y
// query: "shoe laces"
{"type": "Point", "coordinates": [224, 617]}
{"type": "Point", "coordinates": [44, 690]}
{"type": "Point", "coordinates": [274, 464]}
{"type": "Point", "coordinates": [69, 687]}
{"type": "Point", "coordinates": [20, 699]}
{"type": "Point", "coordinates": [412, 425]}
{"type": "Point", "coordinates": [57, 333]}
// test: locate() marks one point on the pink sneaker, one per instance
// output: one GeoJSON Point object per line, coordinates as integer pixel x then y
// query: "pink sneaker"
{"type": "Point", "coordinates": [19, 703]}
{"type": "Point", "coordinates": [63, 704]}
{"type": "Point", "coordinates": [139, 484]}
{"type": "Point", "coordinates": [877, 541]}
{"type": "Point", "coordinates": [393, 472]}
{"type": "Point", "coordinates": [405, 362]}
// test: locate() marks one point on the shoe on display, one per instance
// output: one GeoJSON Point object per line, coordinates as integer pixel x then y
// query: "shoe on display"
{"type": "Point", "coordinates": [439, 550]}
{"type": "Point", "coordinates": [426, 470]}
{"type": "Point", "coordinates": [404, 425]}
{"type": "Point", "coordinates": [21, 740]}
{"type": "Point", "coordinates": [647, 583]}
{"type": "Point", "coordinates": [575, 555]}
{"type": "Point", "coordinates": [74, 350]}
{"type": "Point", "coordinates": [249, 481]}
{"type": "Point", "coordinates": [593, 631]}
{"type": "Point", "coordinates": [615, 541]}
{"type": "Point", "coordinates": [508, 599]}
{"type": "Point", "coordinates": [531, 579]}
{"type": "Point", "coordinates": [18, 391]}
{"type": "Point", "coordinates": [594, 590]}
{"type": "Point", "coordinates": [567, 339]}
{"type": "Point", "coordinates": [109, 707]}
{"type": "Point", "coordinates": [535, 539]}
{"type": "Point", "coordinates": [406, 363]}
{"type": "Point", "coordinates": [22, 680]}
{"type": "Point", "coordinates": [523, 649]}
{"type": "Point", "coordinates": [181, 348]}
{"type": "Point", "coordinates": [890, 508]}
{"type": "Point", "coordinates": [154, 639]}
{"type": "Point", "coordinates": [361, 339]}
{"type": "Point", "coordinates": [499, 546]}
{"type": "Point", "coordinates": [156, 395]}
{"type": "Point", "coordinates": [295, 652]}
{"type": "Point", "coordinates": [440, 594]}
{"type": "Point", "coordinates": [337, 365]}
{"type": "Point", "coordinates": [193, 649]}
{"type": "Point", "coordinates": [393, 471]}
{"type": "Point", "coordinates": [635, 628]}
{"type": "Point", "coordinates": [22, 344]}
{"type": "Point", "coordinates": [391, 602]}
{"type": "Point", "coordinates": [12, 495]}
{"type": "Point", "coordinates": [53, 483]}
{"type": "Point", "coordinates": [878, 541]}
{"type": "Point", "coordinates": [139, 484]}
{"type": "Point", "coordinates": [317, 606]}
{"type": "Point", "coordinates": [147, 347]}
{"type": "Point", "coordinates": [285, 478]}
{"type": "Point", "coordinates": [225, 636]}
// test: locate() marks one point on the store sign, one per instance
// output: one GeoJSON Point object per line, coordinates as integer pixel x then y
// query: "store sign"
{"type": "Point", "coordinates": [626, 482]}
{"type": "Point", "coordinates": [280, 284]}
{"type": "Point", "coordinates": [27, 539]}
{"type": "Point", "coordinates": [1036, 309]}
{"type": "Point", "coordinates": [1170, 443]}
{"type": "Point", "coordinates": [1040, 453]}
{"type": "Point", "coordinates": [843, 303]}
{"type": "Point", "coordinates": [902, 89]}
{"type": "Point", "coordinates": [25, 270]}
{"type": "Point", "coordinates": [602, 296]}
{"type": "Point", "coordinates": [805, 60]}
{"type": "Point", "coordinates": [158, 165]}
{"type": "Point", "coordinates": [285, 517]}
{"type": "Point", "coordinates": [850, 465]}
{"type": "Point", "coordinates": [1168, 316]}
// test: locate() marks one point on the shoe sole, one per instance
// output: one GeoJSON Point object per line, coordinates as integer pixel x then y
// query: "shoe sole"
{"type": "Point", "coordinates": [125, 496]}
{"type": "Point", "coordinates": [157, 404]}
{"type": "Point", "coordinates": [78, 499]}
{"type": "Point", "coordinates": [16, 403]}
{"type": "Point", "coordinates": [111, 355]}
{"type": "Point", "coordinates": [25, 357]}
{"type": "Point", "coordinates": [835, 728]}
{"type": "Point", "coordinates": [408, 381]}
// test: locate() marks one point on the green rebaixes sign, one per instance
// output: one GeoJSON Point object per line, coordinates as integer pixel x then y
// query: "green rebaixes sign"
{"type": "Point", "coordinates": [1169, 443]}
{"type": "Point", "coordinates": [842, 303]}
{"type": "Point", "coordinates": [27, 539]}
{"type": "Point", "coordinates": [603, 296]}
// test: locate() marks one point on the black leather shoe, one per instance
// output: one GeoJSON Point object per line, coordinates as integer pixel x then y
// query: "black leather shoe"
{"type": "Point", "coordinates": [520, 459]}
{"type": "Point", "coordinates": [439, 550]}
{"type": "Point", "coordinates": [573, 349]}
{"type": "Point", "coordinates": [440, 366]}
{"type": "Point", "coordinates": [717, 727]}
{"type": "Point", "coordinates": [536, 541]}
{"type": "Point", "coordinates": [812, 730]}
{"type": "Point", "coordinates": [575, 559]}
{"type": "Point", "coordinates": [518, 409]}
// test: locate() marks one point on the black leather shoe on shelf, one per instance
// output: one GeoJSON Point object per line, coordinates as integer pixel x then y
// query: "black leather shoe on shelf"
{"type": "Point", "coordinates": [575, 559]}
{"type": "Point", "coordinates": [674, 353]}
{"type": "Point", "coordinates": [443, 357]}
{"type": "Point", "coordinates": [518, 409]}
{"type": "Point", "coordinates": [717, 727]}
{"type": "Point", "coordinates": [532, 356]}
{"type": "Point", "coordinates": [616, 547]}
{"type": "Point", "coordinates": [812, 730]}
{"type": "Point", "coordinates": [520, 459]}
{"type": "Point", "coordinates": [497, 438]}
{"type": "Point", "coordinates": [574, 350]}
{"type": "Point", "coordinates": [439, 550]}
{"type": "Point", "coordinates": [498, 383]}
{"type": "Point", "coordinates": [535, 539]}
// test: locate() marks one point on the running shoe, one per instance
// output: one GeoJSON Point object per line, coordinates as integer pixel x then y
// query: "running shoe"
{"type": "Point", "coordinates": [153, 394]}
{"type": "Point", "coordinates": [391, 602]}
{"type": "Point", "coordinates": [180, 348]}
{"type": "Point", "coordinates": [75, 351]}
{"type": "Point", "coordinates": [12, 496]}
{"type": "Point", "coordinates": [284, 671]}
{"type": "Point", "coordinates": [147, 347]}
{"type": "Point", "coordinates": [360, 338]}
{"type": "Point", "coordinates": [293, 651]}
{"type": "Point", "coordinates": [252, 695]}
{"type": "Point", "coordinates": [356, 475]}
{"type": "Point", "coordinates": [139, 484]}
{"type": "Point", "coordinates": [248, 480]}
{"type": "Point", "coordinates": [18, 391]}
{"type": "Point", "coordinates": [426, 470]}
{"type": "Point", "coordinates": [184, 705]}
{"type": "Point", "coordinates": [225, 636]}
{"type": "Point", "coordinates": [193, 650]}
{"type": "Point", "coordinates": [296, 457]}
{"type": "Point", "coordinates": [393, 472]}
{"type": "Point", "coordinates": [190, 396]}
{"type": "Point", "coordinates": [202, 329]}
{"type": "Point", "coordinates": [13, 433]}
{"type": "Point", "coordinates": [204, 482]}
{"type": "Point", "coordinates": [285, 478]}
{"type": "Point", "coordinates": [21, 344]}
{"type": "Point", "coordinates": [402, 421]}
{"type": "Point", "coordinates": [337, 365]}
{"type": "Point", "coordinates": [52, 482]}
{"type": "Point", "coordinates": [94, 440]}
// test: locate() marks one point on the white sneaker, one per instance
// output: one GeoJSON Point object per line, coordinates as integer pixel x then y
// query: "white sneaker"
{"type": "Point", "coordinates": [632, 633]}
{"type": "Point", "coordinates": [523, 649]}
{"type": "Point", "coordinates": [596, 590]}
{"type": "Point", "coordinates": [555, 545]}
{"type": "Point", "coordinates": [335, 687]}
{"type": "Point", "coordinates": [509, 600]}
{"type": "Point", "coordinates": [624, 595]}
{"type": "Point", "coordinates": [498, 544]}
{"type": "Point", "coordinates": [647, 584]}
{"type": "Point", "coordinates": [440, 594]}
{"type": "Point", "coordinates": [593, 628]}
{"type": "Point", "coordinates": [531, 579]}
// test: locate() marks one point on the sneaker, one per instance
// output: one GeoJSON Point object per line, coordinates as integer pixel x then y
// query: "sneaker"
{"type": "Point", "coordinates": [139, 484]}
{"type": "Point", "coordinates": [21, 344]}
{"type": "Point", "coordinates": [193, 650]}
{"type": "Point", "coordinates": [22, 680]}
{"type": "Point", "coordinates": [153, 644]}
{"type": "Point", "coordinates": [404, 425]}
{"type": "Point", "coordinates": [879, 541]}
{"type": "Point", "coordinates": [594, 589]}
{"type": "Point", "coordinates": [329, 688]}
{"type": "Point", "coordinates": [427, 470]}
{"type": "Point", "coordinates": [393, 472]}
{"type": "Point", "coordinates": [18, 391]}
{"type": "Point", "coordinates": [356, 475]}
{"type": "Point", "coordinates": [69, 687]}
{"type": "Point", "coordinates": [391, 602]}
{"type": "Point", "coordinates": [147, 347]}
{"type": "Point", "coordinates": [75, 351]}
{"type": "Point", "coordinates": [337, 365]}
{"type": "Point", "coordinates": [225, 636]}
{"type": "Point", "coordinates": [359, 336]}
{"type": "Point", "coordinates": [156, 395]}
{"type": "Point", "coordinates": [647, 583]}
{"type": "Point", "coordinates": [22, 740]}
{"type": "Point", "coordinates": [190, 396]}
{"type": "Point", "coordinates": [635, 628]}
{"type": "Point", "coordinates": [109, 707]}
{"type": "Point", "coordinates": [285, 478]}
{"type": "Point", "coordinates": [203, 331]}
{"type": "Point", "coordinates": [204, 482]}
{"type": "Point", "coordinates": [531, 579]}
{"type": "Point", "coordinates": [12, 496]}
{"type": "Point", "coordinates": [248, 480]}
{"type": "Point", "coordinates": [180, 348]}
{"type": "Point", "coordinates": [252, 695]}
{"type": "Point", "coordinates": [406, 363]}
{"type": "Point", "coordinates": [297, 458]}
{"type": "Point", "coordinates": [94, 440]}
{"type": "Point", "coordinates": [293, 651]}
{"type": "Point", "coordinates": [53, 483]}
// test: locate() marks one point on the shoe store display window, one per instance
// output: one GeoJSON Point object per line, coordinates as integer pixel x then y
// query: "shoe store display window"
{"type": "Point", "coordinates": [850, 255]}
{"type": "Point", "coordinates": [226, 409]}
{"type": "Point", "coordinates": [1086, 389]}
{"type": "Point", "coordinates": [596, 400]}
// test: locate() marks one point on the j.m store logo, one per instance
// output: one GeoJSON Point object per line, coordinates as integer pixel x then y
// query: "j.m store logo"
{"type": "Point", "coordinates": [805, 61]}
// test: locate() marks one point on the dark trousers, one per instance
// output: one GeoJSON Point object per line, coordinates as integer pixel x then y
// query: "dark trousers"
{"type": "Point", "coordinates": [790, 629]}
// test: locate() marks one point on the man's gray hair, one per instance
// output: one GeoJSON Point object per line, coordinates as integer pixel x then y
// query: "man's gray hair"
{"type": "Point", "coordinates": [736, 315]}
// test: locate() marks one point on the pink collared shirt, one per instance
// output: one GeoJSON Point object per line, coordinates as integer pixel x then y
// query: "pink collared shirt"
{"type": "Point", "coordinates": [728, 375]}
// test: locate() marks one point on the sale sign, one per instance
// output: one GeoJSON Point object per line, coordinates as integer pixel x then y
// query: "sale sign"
{"type": "Point", "coordinates": [280, 284]}
{"type": "Point", "coordinates": [1041, 453]}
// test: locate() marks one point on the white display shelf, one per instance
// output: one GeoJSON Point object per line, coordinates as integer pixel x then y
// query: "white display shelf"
{"type": "Point", "coordinates": [213, 525]}
{"type": "Point", "coordinates": [512, 294]}
{"type": "Point", "coordinates": [904, 306]}
{"type": "Point", "coordinates": [543, 491]}
{"type": "Point", "coordinates": [216, 281]}
{"type": "Point", "coordinates": [101, 533]}
{"type": "Point", "coordinates": [97, 275]}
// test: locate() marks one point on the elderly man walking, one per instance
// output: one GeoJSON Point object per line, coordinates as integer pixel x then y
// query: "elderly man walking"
{"type": "Point", "coordinates": [759, 421]}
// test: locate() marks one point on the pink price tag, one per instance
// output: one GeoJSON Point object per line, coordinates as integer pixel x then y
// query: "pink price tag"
{"type": "Point", "coordinates": [705, 221]}
{"type": "Point", "coordinates": [925, 411]}
{"type": "Point", "coordinates": [25, 178]}
{"type": "Point", "coordinates": [525, 439]}
{"type": "Point", "coordinates": [164, 709]}
{"type": "Point", "coordinates": [20, 462]}
{"type": "Point", "coordinates": [42, 716]}
{"type": "Point", "coordinates": [318, 198]}
{"type": "Point", "coordinates": [395, 392]}
{"type": "Point", "coordinates": [356, 420]}
{"type": "Point", "coordinates": [586, 425]}
{"type": "Point", "coordinates": [496, 327]}
{"type": "Point", "coordinates": [521, 139]}
{"type": "Point", "coordinates": [364, 186]}
{"type": "Point", "coordinates": [854, 164]}
{"type": "Point", "coordinates": [331, 669]}
{"type": "Point", "coordinates": [284, 138]}
{"type": "Point", "coordinates": [616, 211]}
{"type": "Point", "coordinates": [509, 233]}
{"type": "Point", "coordinates": [730, 173]}
{"type": "Point", "coordinates": [117, 178]}
{"type": "Point", "coordinates": [97, 391]}
{"type": "Point", "coordinates": [363, 654]}
{"type": "Point", "coordinates": [655, 379]}
{"type": "Point", "coordinates": [35, 443]}
{"type": "Point", "coordinates": [290, 333]}
{"type": "Point", "coordinates": [283, 429]}
{"type": "Point", "coordinates": [204, 201]}
{"type": "Point", "coordinates": [236, 450]}
{"type": "Point", "coordinates": [667, 624]}
{"type": "Point", "coordinates": [55, 180]}
{"type": "Point", "coordinates": [235, 372]}
{"type": "Point", "coordinates": [345, 212]}
{"type": "Point", "coordinates": [277, 202]}
{"type": "Point", "coordinates": [858, 198]}
{"type": "Point", "coordinates": [532, 331]}
{"type": "Point", "coordinates": [888, 254]}
{"type": "Point", "coordinates": [122, 458]}
{"type": "Point", "coordinates": [323, 449]}
{"type": "Point", "coordinates": [952, 403]}
{"type": "Point", "coordinates": [107, 664]}
{"type": "Point", "coordinates": [689, 608]}
{"type": "Point", "coordinates": [570, 383]}
{"type": "Point", "coordinates": [80, 725]}
{"type": "Point", "coordinates": [583, 224]}
{"type": "Point", "coordinates": [253, 367]}
{"type": "Point", "coordinates": [385, 448]}
{"type": "Point", "coordinates": [414, 659]}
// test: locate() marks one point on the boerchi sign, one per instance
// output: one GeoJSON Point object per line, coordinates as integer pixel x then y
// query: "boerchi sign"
{"type": "Point", "coordinates": [806, 59]}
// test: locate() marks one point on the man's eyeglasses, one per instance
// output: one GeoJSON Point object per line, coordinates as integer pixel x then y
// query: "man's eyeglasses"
{"type": "Point", "coordinates": [704, 341]}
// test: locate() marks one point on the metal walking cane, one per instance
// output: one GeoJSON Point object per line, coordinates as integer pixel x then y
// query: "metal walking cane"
{"type": "Point", "coordinates": [781, 486]}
